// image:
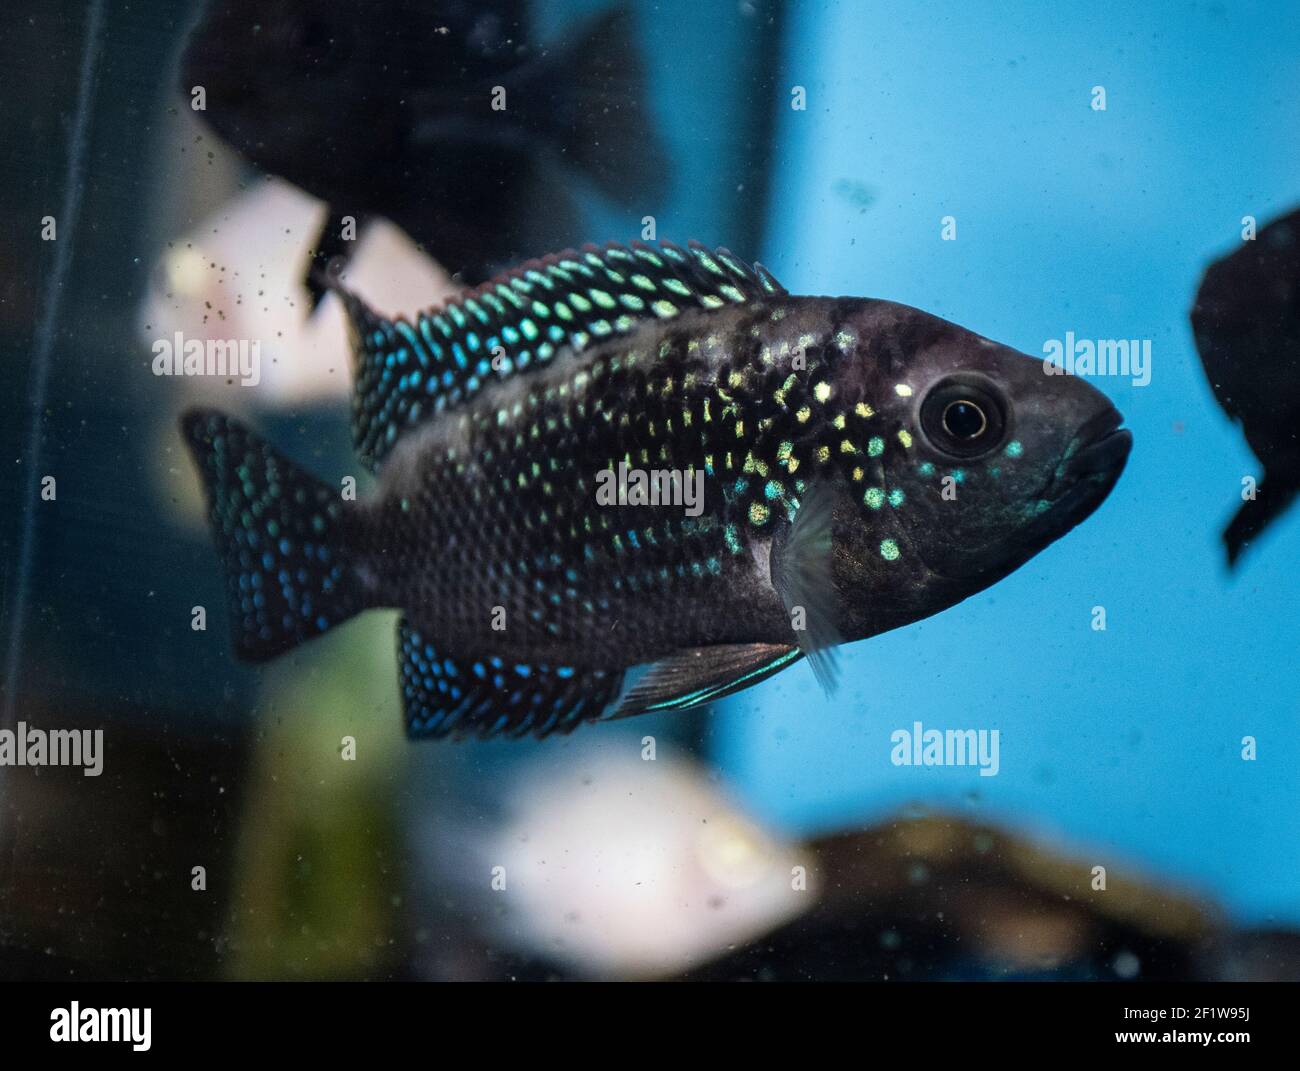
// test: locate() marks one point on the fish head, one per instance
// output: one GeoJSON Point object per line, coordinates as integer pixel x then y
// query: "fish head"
{"type": "Point", "coordinates": [979, 456]}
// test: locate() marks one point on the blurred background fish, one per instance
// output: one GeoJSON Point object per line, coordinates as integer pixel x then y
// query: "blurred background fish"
{"type": "Point", "coordinates": [612, 864]}
{"type": "Point", "coordinates": [1247, 324]}
{"type": "Point", "coordinates": [447, 118]}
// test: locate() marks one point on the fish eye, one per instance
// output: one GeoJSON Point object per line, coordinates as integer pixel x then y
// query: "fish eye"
{"type": "Point", "coordinates": [963, 417]}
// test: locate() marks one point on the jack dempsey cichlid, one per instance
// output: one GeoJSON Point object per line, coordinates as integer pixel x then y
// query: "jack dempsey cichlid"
{"type": "Point", "coordinates": [639, 478]}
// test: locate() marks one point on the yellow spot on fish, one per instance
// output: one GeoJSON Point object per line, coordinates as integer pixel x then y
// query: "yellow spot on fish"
{"type": "Point", "coordinates": [864, 410]}
{"type": "Point", "coordinates": [803, 415]}
{"type": "Point", "coordinates": [758, 513]}
{"type": "Point", "coordinates": [858, 474]}
{"type": "Point", "coordinates": [903, 390]}
{"type": "Point", "coordinates": [822, 391]}
{"type": "Point", "coordinates": [905, 437]}
{"type": "Point", "coordinates": [823, 453]}
{"type": "Point", "coordinates": [839, 422]}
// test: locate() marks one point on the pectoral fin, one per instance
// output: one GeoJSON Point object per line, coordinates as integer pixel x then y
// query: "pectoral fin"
{"type": "Point", "coordinates": [801, 574]}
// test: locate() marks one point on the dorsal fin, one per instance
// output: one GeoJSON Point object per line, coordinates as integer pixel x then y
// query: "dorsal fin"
{"type": "Point", "coordinates": [407, 372]}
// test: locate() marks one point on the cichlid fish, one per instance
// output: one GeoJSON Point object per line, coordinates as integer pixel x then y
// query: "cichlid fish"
{"type": "Point", "coordinates": [863, 465]}
{"type": "Point", "coordinates": [1247, 325]}
{"type": "Point", "coordinates": [387, 108]}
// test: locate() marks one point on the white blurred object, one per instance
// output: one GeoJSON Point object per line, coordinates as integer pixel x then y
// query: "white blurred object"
{"type": "Point", "coordinates": [239, 276]}
{"type": "Point", "coordinates": [623, 867]}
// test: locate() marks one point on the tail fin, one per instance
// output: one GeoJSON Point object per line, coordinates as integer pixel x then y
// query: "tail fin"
{"type": "Point", "coordinates": [592, 95]}
{"type": "Point", "coordinates": [279, 532]}
{"type": "Point", "coordinates": [1272, 497]}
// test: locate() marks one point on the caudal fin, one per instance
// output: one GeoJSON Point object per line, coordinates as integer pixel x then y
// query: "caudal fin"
{"type": "Point", "coordinates": [280, 534]}
{"type": "Point", "coordinates": [1272, 497]}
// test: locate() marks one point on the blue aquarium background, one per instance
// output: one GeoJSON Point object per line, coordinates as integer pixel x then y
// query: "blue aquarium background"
{"type": "Point", "coordinates": [1125, 742]}
{"type": "Point", "coordinates": [944, 155]}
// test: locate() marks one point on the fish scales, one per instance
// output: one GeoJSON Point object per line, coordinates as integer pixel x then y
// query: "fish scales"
{"type": "Point", "coordinates": [826, 438]}
{"type": "Point", "coordinates": [507, 516]}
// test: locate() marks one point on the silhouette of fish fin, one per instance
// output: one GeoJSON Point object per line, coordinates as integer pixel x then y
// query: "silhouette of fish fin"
{"type": "Point", "coordinates": [328, 256]}
{"type": "Point", "coordinates": [486, 697]}
{"type": "Point", "coordinates": [280, 533]}
{"type": "Point", "coordinates": [590, 97]}
{"type": "Point", "coordinates": [800, 566]}
{"type": "Point", "coordinates": [405, 373]}
{"type": "Point", "coordinates": [1272, 497]}
{"type": "Point", "coordinates": [699, 675]}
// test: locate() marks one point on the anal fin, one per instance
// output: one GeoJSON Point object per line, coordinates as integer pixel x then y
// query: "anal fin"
{"type": "Point", "coordinates": [490, 696]}
{"type": "Point", "coordinates": [702, 674]}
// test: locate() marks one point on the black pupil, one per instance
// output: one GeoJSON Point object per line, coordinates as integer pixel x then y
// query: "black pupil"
{"type": "Point", "coordinates": [964, 420]}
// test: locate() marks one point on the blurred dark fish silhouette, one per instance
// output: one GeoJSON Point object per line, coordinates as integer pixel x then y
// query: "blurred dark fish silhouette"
{"type": "Point", "coordinates": [386, 108]}
{"type": "Point", "coordinates": [781, 464]}
{"type": "Point", "coordinates": [938, 898]}
{"type": "Point", "coordinates": [1247, 325]}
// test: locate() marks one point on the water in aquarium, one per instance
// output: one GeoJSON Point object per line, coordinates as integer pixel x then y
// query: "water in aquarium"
{"type": "Point", "coordinates": [554, 490]}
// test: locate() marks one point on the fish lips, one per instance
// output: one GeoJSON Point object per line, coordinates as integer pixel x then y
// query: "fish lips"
{"type": "Point", "coordinates": [1091, 467]}
{"type": "Point", "coordinates": [1093, 471]}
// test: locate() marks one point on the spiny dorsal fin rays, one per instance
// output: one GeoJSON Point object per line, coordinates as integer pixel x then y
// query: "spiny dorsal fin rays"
{"type": "Point", "coordinates": [406, 373]}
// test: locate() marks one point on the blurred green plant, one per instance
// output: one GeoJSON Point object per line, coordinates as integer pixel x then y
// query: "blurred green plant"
{"type": "Point", "coordinates": [319, 866]}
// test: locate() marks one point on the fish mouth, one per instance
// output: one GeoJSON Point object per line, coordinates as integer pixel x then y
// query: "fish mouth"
{"type": "Point", "coordinates": [1090, 467]}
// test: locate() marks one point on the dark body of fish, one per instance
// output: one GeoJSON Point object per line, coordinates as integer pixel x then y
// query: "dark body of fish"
{"type": "Point", "coordinates": [826, 431]}
{"type": "Point", "coordinates": [384, 108]}
{"type": "Point", "coordinates": [1247, 325]}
